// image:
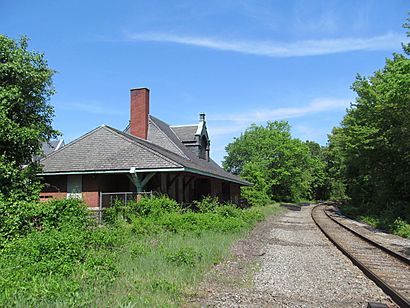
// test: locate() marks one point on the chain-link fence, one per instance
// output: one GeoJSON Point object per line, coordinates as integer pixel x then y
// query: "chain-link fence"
{"type": "Point", "coordinates": [108, 200]}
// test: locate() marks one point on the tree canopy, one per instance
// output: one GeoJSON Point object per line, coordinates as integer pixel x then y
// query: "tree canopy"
{"type": "Point", "coordinates": [371, 149]}
{"type": "Point", "coordinates": [25, 115]}
{"type": "Point", "coordinates": [279, 166]}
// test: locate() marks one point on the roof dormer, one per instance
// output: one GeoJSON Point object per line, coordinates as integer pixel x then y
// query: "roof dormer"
{"type": "Point", "coordinates": [195, 137]}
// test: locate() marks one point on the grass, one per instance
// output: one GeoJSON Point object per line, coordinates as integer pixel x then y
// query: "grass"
{"type": "Point", "coordinates": [148, 255]}
{"type": "Point", "coordinates": [384, 220]}
{"type": "Point", "coordinates": [161, 270]}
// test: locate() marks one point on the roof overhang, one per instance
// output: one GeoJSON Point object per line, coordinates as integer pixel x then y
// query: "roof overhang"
{"type": "Point", "coordinates": [134, 170]}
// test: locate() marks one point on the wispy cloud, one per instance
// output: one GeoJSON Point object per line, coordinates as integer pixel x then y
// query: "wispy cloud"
{"type": "Point", "coordinates": [235, 123]}
{"type": "Point", "coordinates": [315, 106]}
{"type": "Point", "coordinates": [279, 49]}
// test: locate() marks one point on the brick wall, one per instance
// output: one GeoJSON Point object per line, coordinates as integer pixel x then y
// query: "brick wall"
{"type": "Point", "coordinates": [45, 196]}
{"type": "Point", "coordinates": [92, 198]}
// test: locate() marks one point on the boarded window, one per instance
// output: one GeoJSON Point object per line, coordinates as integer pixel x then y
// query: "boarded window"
{"type": "Point", "coordinates": [74, 186]}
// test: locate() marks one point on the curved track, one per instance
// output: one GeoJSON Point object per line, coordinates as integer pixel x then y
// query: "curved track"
{"type": "Point", "coordinates": [390, 271]}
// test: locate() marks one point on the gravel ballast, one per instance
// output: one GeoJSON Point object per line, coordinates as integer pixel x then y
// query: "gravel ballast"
{"type": "Point", "coordinates": [287, 262]}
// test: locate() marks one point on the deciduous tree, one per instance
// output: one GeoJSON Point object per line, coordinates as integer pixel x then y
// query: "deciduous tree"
{"type": "Point", "coordinates": [25, 116]}
{"type": "Point", "coordinates": [372, 146]}
{"type": "Point", "coordinates": [280, 166]}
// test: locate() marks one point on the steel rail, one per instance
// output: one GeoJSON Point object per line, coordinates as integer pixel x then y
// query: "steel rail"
{"type": "Point", "coordinates": [385, 249]}
{"type": "Point", "coordinates": [397, 297]}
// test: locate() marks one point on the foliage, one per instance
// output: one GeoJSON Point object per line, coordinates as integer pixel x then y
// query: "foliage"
{"type": "Point", "coordinates": [281, 167]}
{"type": "Point", "coordinates": [25, 116]}
{"type": "Point", "coordinates": [146, 207]}
{"type": "Point", "coordinates": [386, 219]}
{"type": "Point", "coordinates": [336, 182]}
{"type": "Point", "coordinates": [20, 218]}
{"type": "Point", "coordinates": [370, 151]}
{"type": "Point", "coordinates": [71, 262]}
{"type": "Point", "coordinates": [58, 252]}
{"type": "Point", "coordinates": [401, 228]}
{"type": "Point", "coordinates": [184, 256]}
{"type": "Point", "coordinates": [319, 187]}
{"type": "Point", "coordinates": [153, 216]}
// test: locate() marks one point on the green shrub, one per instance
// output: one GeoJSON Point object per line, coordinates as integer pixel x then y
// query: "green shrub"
{"type": "Point", "coordinates": [401, 228]}
{"type": "Point", "coordinates": [163, 285]}
{"type": "Point", "coordinates": [255, 197]}
{"type": "Point", "coordinates": [154, 206]}
{"type": "Point", "coordinates": [139, 250]}
{"type": "Point", "coordinates": [184, 256]}
{"type": "Point", "coordinates": [20, 218]}
{"type": "Point", "coordinates": [145, 226]}
{"type": "Point", "coordinates": [146, 207]}
{"type": "Point", "coordinates": [54, 263]}
{"type": "Point", "coordinates": [199, 222]}
{"type": "Point", "coordinates": [207, 204]}
{"type": "Point", "coordinates": [48, 251]}
{"type": "Point", "coordinates": [350, 210]}
{"type": "Point", "coordinates": [106, 237]}
{"type": "Point", "coordinates": [371, 220]}
{"type": "Point", "coordinates": [229, 210]}
{"type": "Point", "coordinates": [150, 216]}
{"type": "Point", "coordinates": [67, 261]}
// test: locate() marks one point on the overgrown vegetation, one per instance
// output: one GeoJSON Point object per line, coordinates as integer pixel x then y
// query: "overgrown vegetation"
{"type": "Point", "coordinates": [370, 150]}
{"type": "Point", "coordinates": [387, 220]}
{"type": "Point", "coordinates": [366, 162]}
{"type": "Point", "coordinates": [25, 117]}
{"type": "Point", "coordinates": [150, 253]}
{"type": "Point", "coordinates": [281, 168]}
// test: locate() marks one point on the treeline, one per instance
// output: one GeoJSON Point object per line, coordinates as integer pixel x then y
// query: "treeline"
{"type": "Point", "coordinates": [281, 168]}
{"type": "Point", "coordinates": [366, 162]}
{"type": "Point", "coordinates": [370, 151]}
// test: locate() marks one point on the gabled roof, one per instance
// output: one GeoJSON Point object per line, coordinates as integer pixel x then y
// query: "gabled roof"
{"type": "Point", "coordinates": [160, 134]}
{"type": "Point", "coordinates": [51, 146]}
{"type": "Point", "coordinates": [106, 149]}
{"type": "Point", "coordinates": [185, 132]}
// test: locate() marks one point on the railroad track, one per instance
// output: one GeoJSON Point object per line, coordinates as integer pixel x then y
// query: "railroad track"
{"type": "Point", "coordinates": [389, 270]}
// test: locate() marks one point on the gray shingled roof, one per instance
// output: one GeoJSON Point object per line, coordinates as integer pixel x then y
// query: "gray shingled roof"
{"type": "Point", "coordinates": [108, 149]}
{"type": "Point", "coordinates": [104, 149]}
{"type": "Point", "coordinates": [51, 146]}
{"type": "Point", "coordinates": [186, 133]}
{"type": "Point", "coordinates": [157, 135]}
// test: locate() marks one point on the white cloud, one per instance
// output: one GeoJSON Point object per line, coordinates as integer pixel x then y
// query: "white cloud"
{"type": "Point", "coordinates": [315, 106]}
{"type": "Point", "coordinates": [223, 127]}
{"type": "Point", "coordinates": [279, 49]}
{"type": "Point", "coordinates": [236, 123]}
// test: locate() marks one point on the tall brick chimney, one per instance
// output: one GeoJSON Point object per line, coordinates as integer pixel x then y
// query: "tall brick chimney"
{"type": "Point", "coordinates": [139, 112]}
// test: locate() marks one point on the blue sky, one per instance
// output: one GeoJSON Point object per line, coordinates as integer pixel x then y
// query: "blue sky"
{"type": "Point", "coordinates": [239, 61]}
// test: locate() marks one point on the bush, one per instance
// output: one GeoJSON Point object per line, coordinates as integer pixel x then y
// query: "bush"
{"type": "Point", "coordinates": [400, 227]}
{"type": "Point", "coordinates": [151, 216]}
{"type": "Point", "coordinates": [146, 207]}
{"type": "Point", "coordinates": [255, 197]}
{"type": "Point", "coordinates": [145, 226]}
{"type": "Point", "coordinates": [207, 204]}
{"type": "Point", "coordinates": [54, 263]}
{"type": "Point", "coordinates": [20, 218]}
{"type": "Point", "coordinates": [184, 256]}
{"type": "Point", "coordinates": [154, 206]}
{"type": "Point", "coordinates": [48, 251]}
{"type": "Point", "coordinates": [60, 258]}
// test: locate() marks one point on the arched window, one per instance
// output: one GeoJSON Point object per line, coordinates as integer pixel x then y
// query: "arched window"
{"type": "Point", "coordinates": [202, 149]}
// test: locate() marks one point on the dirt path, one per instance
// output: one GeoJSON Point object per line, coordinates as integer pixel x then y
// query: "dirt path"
{"type": "Point", "coordinates": [287, 262]}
